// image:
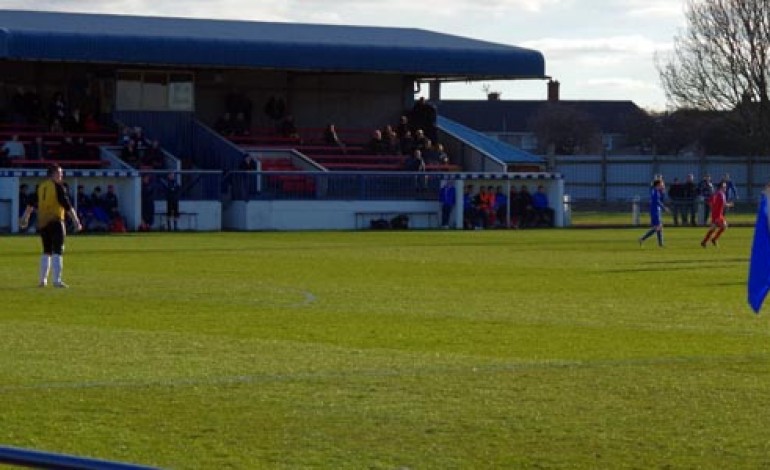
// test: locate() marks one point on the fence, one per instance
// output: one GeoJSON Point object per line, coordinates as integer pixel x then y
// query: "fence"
{"type": "Point", "coordinates": [607, 179]}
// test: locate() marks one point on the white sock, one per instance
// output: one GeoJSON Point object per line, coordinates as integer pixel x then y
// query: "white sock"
{"type": "Point", "coordinates": [45, 266]}
{"type": "Point", "coordinates": [58, 264]}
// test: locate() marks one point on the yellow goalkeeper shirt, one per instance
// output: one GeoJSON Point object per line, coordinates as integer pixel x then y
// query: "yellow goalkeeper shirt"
{"type": "Point", "coordinates": [52, 203]}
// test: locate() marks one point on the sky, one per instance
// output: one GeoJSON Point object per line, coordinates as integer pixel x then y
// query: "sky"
{"type": "Point", "coordinates": [596, 49]}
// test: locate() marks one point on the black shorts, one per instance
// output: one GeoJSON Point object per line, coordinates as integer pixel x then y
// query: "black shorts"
{"type": "Point", "coordinates": [53, 237]}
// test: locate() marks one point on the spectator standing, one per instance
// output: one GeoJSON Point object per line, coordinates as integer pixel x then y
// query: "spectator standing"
{"type": "Point", "coordinates": [678, 203]}
{"type": "Point", "coordinates": [148, 203]}
{"type": "Point", "coordinates": [424, 117]}
{"type": "Point", "coordinates": [275, 109]}
{"type": "Point", "coordinates": [705, 191]}
{"type": "Point", "coordinates": [57, 111]}
{"type": "Point", "coordinates": [689, 197]}
{"type": "Point", "coordinates": [244, 182]}
{"type": "Point", "coordinates": [448, 198]}
{"type": "Point", "coordinates": [173, 193]}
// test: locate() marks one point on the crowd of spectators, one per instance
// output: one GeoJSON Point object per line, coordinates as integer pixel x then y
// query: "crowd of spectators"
{"type": "Point", "coordinates": [52, 131]}
{"type": "Point", "coordinates": [139, 151]}
{"type": "Point", "coordinates": [27, 108]}
{"type": "Point", "coordinates": [413, 136]}
{"type": "Point", "coordinates": [685, 196]}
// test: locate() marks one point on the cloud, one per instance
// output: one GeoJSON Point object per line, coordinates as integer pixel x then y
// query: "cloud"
{"type": "Point", "coordinates": [634, 45]}
{"type": "Point", "coordinates": [623, 83]}
{"type": "Point", "coordinates": [302, 11]}
{"type": "Point", "coordinates": [665, 9]}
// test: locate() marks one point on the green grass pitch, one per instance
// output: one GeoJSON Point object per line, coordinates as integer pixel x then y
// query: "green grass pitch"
{"type": "Point", "coordinates": [388, 350]}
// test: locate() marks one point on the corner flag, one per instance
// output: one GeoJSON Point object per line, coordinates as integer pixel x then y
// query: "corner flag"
{"type": "Point", "coordinates": [759, 264]}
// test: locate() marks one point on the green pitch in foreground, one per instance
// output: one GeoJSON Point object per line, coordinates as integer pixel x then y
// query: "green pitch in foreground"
{"type": "Point", "coordinates": [386, 350]}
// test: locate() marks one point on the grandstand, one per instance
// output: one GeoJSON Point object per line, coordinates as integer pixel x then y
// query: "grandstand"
{"type": "Point", "coordinates": [174, 78]}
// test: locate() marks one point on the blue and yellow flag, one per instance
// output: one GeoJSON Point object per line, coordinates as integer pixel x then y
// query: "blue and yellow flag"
{"type": "Point", "coordinates": [759, 264]}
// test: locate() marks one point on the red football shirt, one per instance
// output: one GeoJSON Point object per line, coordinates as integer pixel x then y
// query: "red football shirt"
{"type": "Point", "coordinates": [718, 201]}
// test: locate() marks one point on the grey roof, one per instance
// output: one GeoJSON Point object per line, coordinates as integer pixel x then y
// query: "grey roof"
{"type": "Point", "coordinates": [515, 115]}
{"type": "Point", "coordinates": [81, 37]}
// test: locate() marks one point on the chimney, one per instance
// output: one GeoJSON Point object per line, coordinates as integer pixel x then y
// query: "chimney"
{"type": "Point", "coordinates": [553, 91]}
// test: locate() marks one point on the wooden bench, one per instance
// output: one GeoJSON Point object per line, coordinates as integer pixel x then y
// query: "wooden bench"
{"type": "Point", "coordinates": [192, 220]}
{"type": "Point", "coordinates": [364, 219]}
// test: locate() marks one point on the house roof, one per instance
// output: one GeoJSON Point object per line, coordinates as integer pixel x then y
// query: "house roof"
{"type": "Point", "coordinates": [493, 147]}
{"type": "Point", "coordinates": [515, 115]}
{"type": "Point", "coordinates": [81, 37]}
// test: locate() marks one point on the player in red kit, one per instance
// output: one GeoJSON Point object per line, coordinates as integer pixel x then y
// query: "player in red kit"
{"type": "Point", "coordinates": [717, 202]}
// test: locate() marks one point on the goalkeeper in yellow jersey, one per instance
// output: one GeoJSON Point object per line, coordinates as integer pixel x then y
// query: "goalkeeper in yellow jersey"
{"type": "Point", "coordinates": [53, 205]}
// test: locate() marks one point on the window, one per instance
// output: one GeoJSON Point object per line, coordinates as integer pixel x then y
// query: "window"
{"type": "Point", "coordinates": [154, 91]}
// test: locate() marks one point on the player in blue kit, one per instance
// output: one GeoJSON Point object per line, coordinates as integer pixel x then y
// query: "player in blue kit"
{"type": "Point", "coordinates": [656, 211]}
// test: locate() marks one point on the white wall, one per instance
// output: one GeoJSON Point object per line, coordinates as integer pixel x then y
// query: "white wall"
{"type": "Point", "coordinates": [324, 215]}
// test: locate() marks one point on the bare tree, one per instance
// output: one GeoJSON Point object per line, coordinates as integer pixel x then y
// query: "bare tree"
{"type": "Point", "coordinates": [720, 63]}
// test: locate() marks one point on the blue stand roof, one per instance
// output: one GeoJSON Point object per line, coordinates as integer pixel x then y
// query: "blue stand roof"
{"type": "Point", "coordinates": [80, 37]}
